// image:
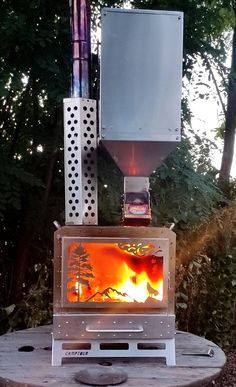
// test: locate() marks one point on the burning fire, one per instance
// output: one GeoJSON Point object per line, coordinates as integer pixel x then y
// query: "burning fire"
{"type": "Point", "coordinates": [109, 272]}
{"type": "Point", "coordinates": [138, 287]}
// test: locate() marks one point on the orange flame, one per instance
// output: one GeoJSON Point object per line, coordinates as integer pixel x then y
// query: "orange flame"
{"type": "Point", "coordinates": [103, 272]}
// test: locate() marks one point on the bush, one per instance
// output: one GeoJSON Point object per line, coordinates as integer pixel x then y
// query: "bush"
{"type": "Point", "coordinates": [206, 284]}
{"type": "Point", "coordinates": [34, 309]}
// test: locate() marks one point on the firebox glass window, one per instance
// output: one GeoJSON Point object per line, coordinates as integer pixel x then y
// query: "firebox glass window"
{"type": "Point", "coordinates": [105, 271]}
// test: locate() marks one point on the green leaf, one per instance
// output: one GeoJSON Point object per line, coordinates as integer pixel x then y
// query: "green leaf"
{"type": "Point", "coordinates": [10, 309]}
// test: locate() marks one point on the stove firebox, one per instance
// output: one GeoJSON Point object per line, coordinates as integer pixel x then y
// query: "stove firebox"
{"type": "Point", "coordinates": [113, 289]}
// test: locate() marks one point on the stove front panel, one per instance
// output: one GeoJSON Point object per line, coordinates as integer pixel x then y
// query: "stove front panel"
{"type": "Point", "coordinates": [118, 269]}
{"type": "Point", "coordinates": [107, 272]}
{"type": "Point", "coordinates": [109, 326]}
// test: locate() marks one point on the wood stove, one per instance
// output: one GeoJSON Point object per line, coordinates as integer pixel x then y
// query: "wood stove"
{"type": "Point", "coordinates": [114, 292]}
{"type": "Point", "coordinates": [114, 286]}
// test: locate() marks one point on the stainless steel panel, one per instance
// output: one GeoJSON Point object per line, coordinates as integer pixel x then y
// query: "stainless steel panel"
{"type": "Point", "coordinates": [138, 158]}
{"type": "Point", "coordinates": [141, 70]}
{"type": "Point", "coordinates": [111, 232]}
{"type": "Point", "coordinates": [136, 184]}
{"type": "Point", "coordinates": [66, 348]}
{"type": "Point", "coordinates": [80, 143]}
{"type": "Point", "coordinates": [111, 326]}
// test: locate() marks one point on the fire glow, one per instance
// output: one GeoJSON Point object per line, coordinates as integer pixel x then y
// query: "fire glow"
{"type": "Point", "coordinates": [113, 272]}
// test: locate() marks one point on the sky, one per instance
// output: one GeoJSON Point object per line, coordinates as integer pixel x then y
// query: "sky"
{"type": "Point", "coordinates": [206, 116]}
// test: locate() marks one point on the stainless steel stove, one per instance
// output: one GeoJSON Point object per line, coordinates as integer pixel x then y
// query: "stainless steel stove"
{"type": "Point", "coordinates": [113, 292]}
{"type": "Point", "coordinates": [114, 286]}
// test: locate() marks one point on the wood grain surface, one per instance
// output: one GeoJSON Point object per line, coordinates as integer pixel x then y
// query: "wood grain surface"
{"type": "Point", "coordinates": [33, 366]}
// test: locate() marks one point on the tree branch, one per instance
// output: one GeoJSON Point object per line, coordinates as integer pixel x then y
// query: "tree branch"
{"type": "Point", "coordinates": [215, 83]}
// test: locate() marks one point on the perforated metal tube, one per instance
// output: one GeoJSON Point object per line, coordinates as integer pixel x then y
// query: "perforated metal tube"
{"type": "Point", "coordinates": [80, 141]}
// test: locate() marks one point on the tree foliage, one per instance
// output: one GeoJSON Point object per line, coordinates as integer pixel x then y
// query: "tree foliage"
{"type": "Point", "coordinates": [230, 116]}
{"type": "Point", "coordinates": [206, 281]}
{"type": "Point", "coordinates": [34, 70]}
{"type": "Point", "coordinates": [180, 194]}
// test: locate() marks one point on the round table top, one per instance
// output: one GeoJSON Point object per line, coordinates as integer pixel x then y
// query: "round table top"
{"type": "Point", "coordinates": [25, 360]}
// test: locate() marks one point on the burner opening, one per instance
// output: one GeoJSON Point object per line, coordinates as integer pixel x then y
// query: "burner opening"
{"type": "Point", "coordinates": [76, 346]}
{"type": "Point", "coordinates": [149, 346]}
{"type": "Point", "coordinates": [114, 346]}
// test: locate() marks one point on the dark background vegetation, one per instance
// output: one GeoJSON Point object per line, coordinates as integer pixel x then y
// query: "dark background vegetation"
{"type": "Point", "coordinates": [186, 189]}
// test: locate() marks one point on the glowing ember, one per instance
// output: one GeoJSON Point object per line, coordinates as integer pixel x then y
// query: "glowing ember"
{"type": "Point", "coordinates": [108, 272]}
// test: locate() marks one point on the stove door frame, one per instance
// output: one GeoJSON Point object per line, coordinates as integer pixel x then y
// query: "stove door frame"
{"type": "Point", "coordinates": [159, 243]}
{"type": "Point", "coordinates": [114, 233]}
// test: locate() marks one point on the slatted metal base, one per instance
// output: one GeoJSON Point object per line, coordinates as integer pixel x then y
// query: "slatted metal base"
{"type": "Point", "coordinates": [164, 348]}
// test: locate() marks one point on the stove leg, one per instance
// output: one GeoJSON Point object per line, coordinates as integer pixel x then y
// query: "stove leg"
{"type": "Point", "coordinates": [170, 352]}
{"type": "Point", "coordinates": [56, 352]}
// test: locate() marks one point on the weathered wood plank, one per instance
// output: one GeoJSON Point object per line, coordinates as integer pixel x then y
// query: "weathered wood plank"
{"type": "Point", "coordinates": [30, 369]}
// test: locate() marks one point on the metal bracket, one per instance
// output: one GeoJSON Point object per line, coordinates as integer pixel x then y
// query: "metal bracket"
{"type": "Point", "coordinates": [117, 348]}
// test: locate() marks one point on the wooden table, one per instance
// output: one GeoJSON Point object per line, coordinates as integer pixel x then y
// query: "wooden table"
{"type": "Point", "coordinates": [33, 367]}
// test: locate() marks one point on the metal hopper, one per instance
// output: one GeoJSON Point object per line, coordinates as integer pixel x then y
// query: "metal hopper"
{"type": "Point", "coordinates": [141, 70]}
